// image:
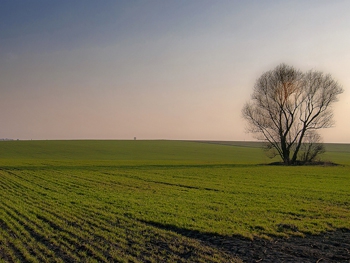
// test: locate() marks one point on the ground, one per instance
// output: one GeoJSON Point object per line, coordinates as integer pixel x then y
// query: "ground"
{"type": "Point", "coordinates": [331, 246]}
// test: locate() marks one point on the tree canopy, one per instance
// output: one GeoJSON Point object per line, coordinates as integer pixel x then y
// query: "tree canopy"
{"type": "Point", "coordinates": [286, 109]}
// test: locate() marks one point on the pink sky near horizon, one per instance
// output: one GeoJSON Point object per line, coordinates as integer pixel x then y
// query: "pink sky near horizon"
{"type": "Point", "coordinates": [158, 69]}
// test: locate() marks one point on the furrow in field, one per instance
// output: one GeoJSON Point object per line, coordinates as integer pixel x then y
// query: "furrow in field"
{"type": "Point", "coordinates": [85, 230]}
{"type": "Point", "coordinates": [70, 235]}
{"type": "Point", "coordinates": [7, 251]}
{"type": "Point", "coordinates": [28, 181]}
{"type": "Point", "coordinates": [12, 251]}
{"type": "Point", "coordinates": [20, 238]}
{"type": "Point", "coordinates": [40, 241]}
{"type": "Point", "coordinates": [140, 180]}
{"type": "Point", "coordinates": [47, 188]}
{"type": "Point", "coordinates": [50, 181]}
{"type": "Point", "coordinates": [4, 183]}
{"type": "Point", "coordinates": [67, 238]}
{"type": "Point", "coordinates": [13, 190]}
{"type": "Point", "coordinates": [29, 195]}
{"type": "Point", "coordinates": [6, 254]}
{"type": "Point", "coordinates": [29, 198]}
{"type": "Point", "coordinates": [86, 224]}
{"type": "Point", "coordinates": [23, 188]}
{"type": "Point", "coordinates": [98, 232]}
{"type": "Point", "coordinates": [66, 184]}
{"type": "Point", "coordinates": [101, 229]}
{"type": "Point", "coordinates": [141, 238]}
{"type": "Point", "coordinates": [96, 229]}
{"type": "Point", "coordinates": [10, 182]}
{"type": "Point", "coordinates": [96, 180]}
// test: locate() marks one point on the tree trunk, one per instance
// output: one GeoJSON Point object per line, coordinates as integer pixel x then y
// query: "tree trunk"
{"type": "Point", "coordinates": [285, 151]}
{"type": "Point", "coordinates": [286, 159]}
{"type": "Point", "coordinates": [295, 155]}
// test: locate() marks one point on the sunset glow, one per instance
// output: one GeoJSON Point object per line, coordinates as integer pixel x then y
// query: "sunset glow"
{"type": "Point", "coordinates": [158, 69]}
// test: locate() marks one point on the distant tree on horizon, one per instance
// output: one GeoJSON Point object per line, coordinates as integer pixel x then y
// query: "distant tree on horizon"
{"type": "Point", "coordinates": [286, 109]}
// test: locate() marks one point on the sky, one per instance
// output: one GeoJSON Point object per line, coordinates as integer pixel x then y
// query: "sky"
{"type": "Point", "coordinates": [158, 69]}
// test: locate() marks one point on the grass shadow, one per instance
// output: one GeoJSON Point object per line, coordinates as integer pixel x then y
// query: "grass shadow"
{"type": "Point", "coordinates": [331, 246]}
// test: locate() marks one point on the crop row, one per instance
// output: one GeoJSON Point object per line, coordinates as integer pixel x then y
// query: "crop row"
{"type": "Point", "coordinates": [42, 219]}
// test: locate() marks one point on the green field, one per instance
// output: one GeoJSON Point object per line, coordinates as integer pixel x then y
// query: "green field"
{"type": "Point", "coordinates": [152, 201]}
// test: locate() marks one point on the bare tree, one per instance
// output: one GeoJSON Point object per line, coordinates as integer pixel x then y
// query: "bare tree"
{"type": "Point", "coordinates": [288, 106]}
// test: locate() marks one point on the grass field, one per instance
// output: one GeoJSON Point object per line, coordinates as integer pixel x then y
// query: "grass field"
{"type": "Point", "coordinates": [152, 201]}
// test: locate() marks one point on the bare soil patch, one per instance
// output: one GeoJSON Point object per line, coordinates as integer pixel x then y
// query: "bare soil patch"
{"type": "Point", "coordinates": [331, 246]}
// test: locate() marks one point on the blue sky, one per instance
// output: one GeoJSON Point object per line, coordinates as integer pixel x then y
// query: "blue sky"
{"type": "Point", "coordinates": [158, 69]}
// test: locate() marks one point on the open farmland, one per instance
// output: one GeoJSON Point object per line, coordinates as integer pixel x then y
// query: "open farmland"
{"type": "Point", "coordinates": [175, 201]}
